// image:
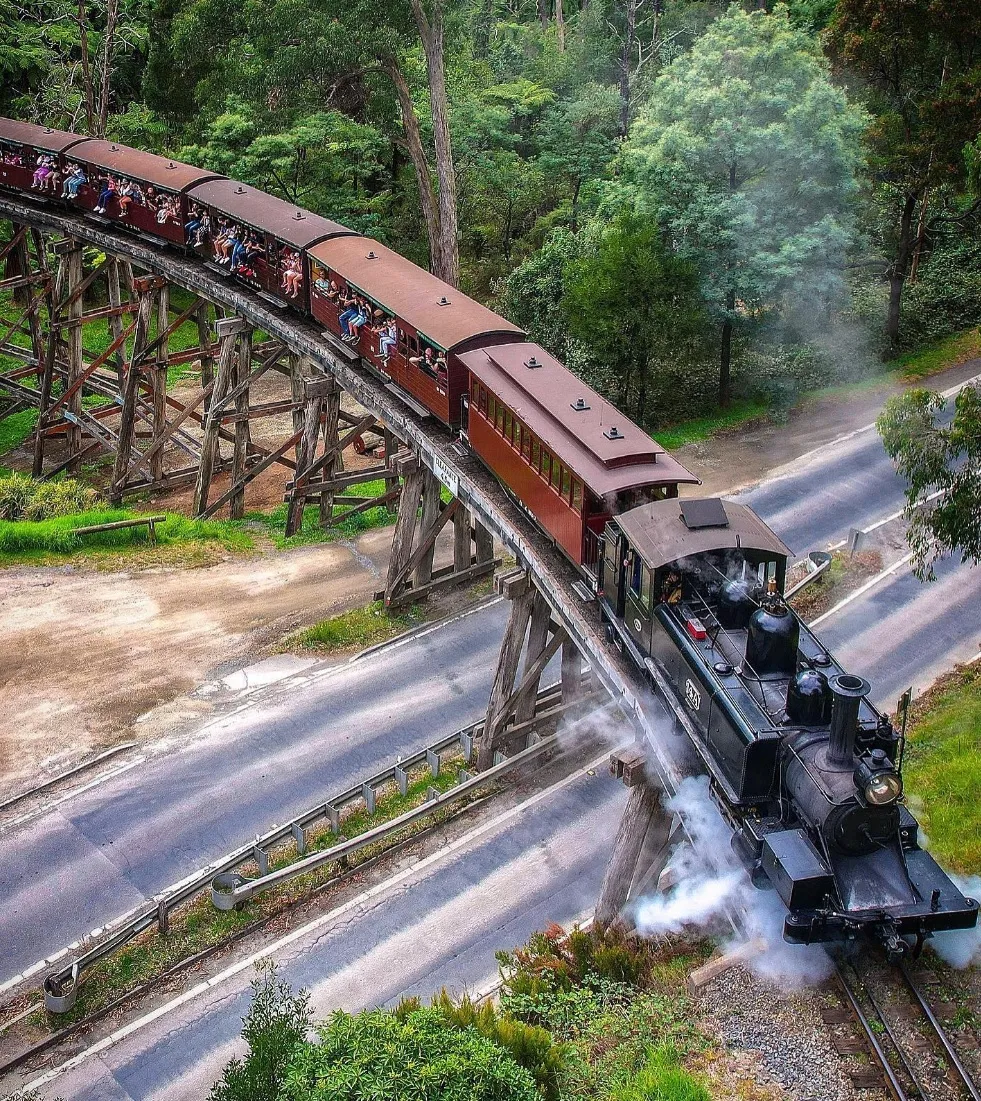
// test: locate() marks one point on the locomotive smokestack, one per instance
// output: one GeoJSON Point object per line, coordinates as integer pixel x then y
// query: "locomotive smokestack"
{"type": "Point", "coordinates": [847, 690]}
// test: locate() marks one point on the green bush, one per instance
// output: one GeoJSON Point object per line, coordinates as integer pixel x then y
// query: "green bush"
{"type": "Point", "coordinates": [412, 1056]}
{"type": "Point", "coordinates": [661, 1079]}
{"type": "Point", "coordinates": [531, 1047]}
{"type": "Point", "coordinates": [276, 1024]}
{"type": "Point", "coordinates": [26, 498]}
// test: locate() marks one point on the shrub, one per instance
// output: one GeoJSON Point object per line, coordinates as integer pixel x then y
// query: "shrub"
{"type": "Point", "coordinates": [414, 1055]}
{"type": "Point", "coordinates": [276, 1024]}
{"type": "Point", "coordinates": [531, 1047]}
{"type": "Point", "coordinates": [26, 498]}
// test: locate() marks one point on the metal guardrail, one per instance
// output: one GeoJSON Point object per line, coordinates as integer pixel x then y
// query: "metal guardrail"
{"type": "Point", "coordinates": [61, 986]}
{"type": "Point", "coordinates": [817, 562]}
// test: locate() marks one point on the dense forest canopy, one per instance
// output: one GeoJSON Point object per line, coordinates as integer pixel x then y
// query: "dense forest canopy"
{"type": "Point", "coordinates": [691, 202]}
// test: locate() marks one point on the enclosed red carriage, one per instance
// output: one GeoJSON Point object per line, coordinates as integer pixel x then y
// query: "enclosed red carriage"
{"type": "Point", "coordinates": [21, 146]}
{"type": "Point", "coordinates": [568, 455]}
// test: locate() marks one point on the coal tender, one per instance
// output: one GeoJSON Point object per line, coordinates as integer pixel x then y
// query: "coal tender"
{"type": "Point", "coordinates": [806, 770]}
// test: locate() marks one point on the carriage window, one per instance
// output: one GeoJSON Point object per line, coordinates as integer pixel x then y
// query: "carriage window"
{"type": "Point", "coordinates": [482, 402]}
{"type": "Point", "coordinates": [536, 453]}
{"type": "Point", "coordinates": [646, 587]}
{"type": "Point", "coordinates": [508, 426]}
{"type": "Point", "coordinates": [566, 484]}
{"type": "Point", "coordinates": [517, 435]}
{"type": "Point", "coordinates": [556, 473]}
{"type": "Point", "coordinates": [526, 445]}
{"type": "Point", "coordinates": [499, 418]}
{"type": "Point", "coordinates": [403, 339]}
{"type": "Point", "coordinates": [577, 494]}
{"type": "Point", "coordinates": [546, 464]}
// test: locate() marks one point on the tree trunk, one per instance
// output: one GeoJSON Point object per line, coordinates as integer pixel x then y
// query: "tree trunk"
{"type": "Point", "coordinates": [413, 139]}
{"type": "Point", "coordinates": [431, 33]}
{"type": "Point", "coordinates": [898, 271]}
{"type": "Point", "coordinates": [89, 90]}
{"type": "Point", "coordinates": [725, 360]}
{"type": "Point", "coordinates": [105, 78]}
{"type": "Point", "coordinates": [629, 39]}
{"type": "Point", "coordinates": [560, 25]}
{"type": "Point", "coordinates": [543, 13]}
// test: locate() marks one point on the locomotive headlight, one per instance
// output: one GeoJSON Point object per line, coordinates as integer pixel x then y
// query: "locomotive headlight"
{"type": "Point", "coordinates": [878, 782]}
{"type": "Point", "coordinates": [882, 789]}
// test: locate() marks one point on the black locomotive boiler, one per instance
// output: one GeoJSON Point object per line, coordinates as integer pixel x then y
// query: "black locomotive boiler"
{"type": "Point", "coordinates": [802, 765]}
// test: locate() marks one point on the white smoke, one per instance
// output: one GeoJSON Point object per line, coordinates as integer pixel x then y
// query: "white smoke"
{"type": "Point", "coordinates": [711, 885]}
{"type": "Point", "coordinates": [961, 947]}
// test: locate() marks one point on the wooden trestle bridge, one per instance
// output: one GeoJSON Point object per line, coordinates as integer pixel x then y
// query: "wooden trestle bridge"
{"type": "Point", "coordinates": [61, 274]}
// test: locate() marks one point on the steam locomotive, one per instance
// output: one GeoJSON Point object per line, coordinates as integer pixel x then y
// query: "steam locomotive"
{"type": "Point", "coordinates": [804, 768]}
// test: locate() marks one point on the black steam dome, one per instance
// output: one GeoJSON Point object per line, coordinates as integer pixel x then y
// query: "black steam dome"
{"type": "Point", "coordinates": [809, 699]}
{"type": "Point", "coordinates": [773, 639]}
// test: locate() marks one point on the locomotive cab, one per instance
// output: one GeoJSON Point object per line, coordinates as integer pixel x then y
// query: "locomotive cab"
{"type": "Point", "coordinates": [803, 766]}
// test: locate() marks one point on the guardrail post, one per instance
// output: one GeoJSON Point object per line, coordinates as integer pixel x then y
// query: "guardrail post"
{"type": "Point", "coordinates": [402, 779]}
{"type": "Point", "coordinates": [261, 857]}
{"type": "Point", "coordinates": [368, 795]}
{"type": "Point", "coordinates": [300, 837]}
{"type": "Point", "coordinates": [466, 743]}
{"type": "Point", "coordinates": [463, 776]}
{"type": "Point", "coordinates": [432, 759]}
{"type": "Point", "coordinates": [499, 757]}
{"type": "Point", "coordinates": [432, 793]}
{"type": "Point", "coordinates": [333, 817]}
{"type": "Point", "coordinates": [163, 917]}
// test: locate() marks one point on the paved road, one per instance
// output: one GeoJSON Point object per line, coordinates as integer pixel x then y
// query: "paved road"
{"type": "Point", "coordinates": [440, 926]}
{"type": "Point", "coordinates": [908, 631]}
{"type": "Point", "coordinates": [813, 501]}
{"type": "Point", "coordinates": [98, 855]}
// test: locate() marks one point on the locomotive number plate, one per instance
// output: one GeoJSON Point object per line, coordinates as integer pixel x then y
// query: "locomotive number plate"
{"type": "Point", "coordinates": [692, 696]}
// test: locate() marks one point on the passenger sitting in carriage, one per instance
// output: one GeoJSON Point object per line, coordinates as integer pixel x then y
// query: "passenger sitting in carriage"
{"type": "Point", "coordinates": [44, 174]}
{"type": "Point", "coordinates": [107, 193]}
{"type": "Point", "coordinates": [292, 272]}
{"type": "Point", "coordinates": [75, 179]}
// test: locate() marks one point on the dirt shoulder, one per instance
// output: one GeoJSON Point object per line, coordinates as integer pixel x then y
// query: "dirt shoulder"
{"type": "Point", "coordinates": [88, 655]}
{"type": "Point", "coordinates": [741, 457]}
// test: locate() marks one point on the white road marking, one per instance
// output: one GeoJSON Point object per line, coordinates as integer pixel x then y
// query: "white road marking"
{"type": "Point", "coordinates": [317, 923]}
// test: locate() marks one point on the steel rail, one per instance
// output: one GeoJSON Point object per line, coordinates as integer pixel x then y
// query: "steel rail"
{"type": "Point", "coordinates": [894, 1085]}
{"type": "Point", "coordinates": [962, 1072]}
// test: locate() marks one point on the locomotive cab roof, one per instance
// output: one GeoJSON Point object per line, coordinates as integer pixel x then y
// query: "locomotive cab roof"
{"type": "Point", "coordinates": [667, 531]}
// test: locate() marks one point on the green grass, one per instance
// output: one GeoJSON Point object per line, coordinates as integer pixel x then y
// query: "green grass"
{"type": "Point", "coordinates": [701, 428]}
{"type": "Point", "coordinates": [945, 353]}
{"type": "Point", "coordinates": [15, 429]}
{"type": "Point", "coordinates": [359, 627]}
{"type": "Point", "coordinates": [273, 523]}
{"type": "Point", "coordinates": [943, 769]}
{"type": "Point", "coordinates": [29, 540]}
{"type": "Point", "coordinates": [198, 925]}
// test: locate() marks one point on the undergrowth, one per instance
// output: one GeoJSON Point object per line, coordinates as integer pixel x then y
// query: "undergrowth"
{"type": "Point", "coordinates": [273, 523]}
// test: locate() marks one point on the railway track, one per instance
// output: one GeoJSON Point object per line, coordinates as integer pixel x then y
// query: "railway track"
{"type": "Point", "coordinates": [912, 1054]}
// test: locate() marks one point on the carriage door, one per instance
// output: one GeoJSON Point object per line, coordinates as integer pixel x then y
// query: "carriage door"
{"type": "Point", "coordinates": [464, 414]}
{"type": "Point", "coordinates": [637, 610]}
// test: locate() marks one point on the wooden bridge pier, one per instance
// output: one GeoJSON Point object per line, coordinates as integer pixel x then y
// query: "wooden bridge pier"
{"type": "Point", "coordinates": [531, 631]}
{"type": "Point", "coordinates": [643, 840]}
{"type": "Point", "coordinates": [115, 402]}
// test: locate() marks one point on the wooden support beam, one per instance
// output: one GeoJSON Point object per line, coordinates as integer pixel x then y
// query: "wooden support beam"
{"type": "Point", "coordinates": [210, 452]}
{"type": "Point", "coordinates": [410, 595]}
{"type": "Point", "coordinates": [461, 538]}
{"type": "Point", "coordinates": [243, 433]}
{"type": "Point", "coordinates": [127, 421]}
{"type": "Point", "coordinates": [571, 672]}
{"type": "Point", "coordinates": [116, 321]}
{"type": "Point", "coordinates": [644, 806]}
{"type": "Point", "coordinates": [305, 451]}
{"type": "Point", "coordinates": [332, 439]}
{"type": "Point", "coordinates": [507, 667]}
{"type": "Point", "coordinates": [423, 549]}
{"type": "Point", "coordinates": [429, 525]}
{"type": "Point", "coordinates": [483, 542]}
{"type": "Point", "coordinates": [207, 358]}
{"type": "Point", "coordinates": [541, 618]}
{"type": "Point", "coordinates": [405, 526]}
{"type": "Point", "coordinates": [75, 363]}
{"type": "Point", "coordinates": [254, 471]}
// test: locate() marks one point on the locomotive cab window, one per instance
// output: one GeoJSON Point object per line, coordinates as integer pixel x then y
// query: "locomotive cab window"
{"type": "Point", "coordinates": [639, 579]}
